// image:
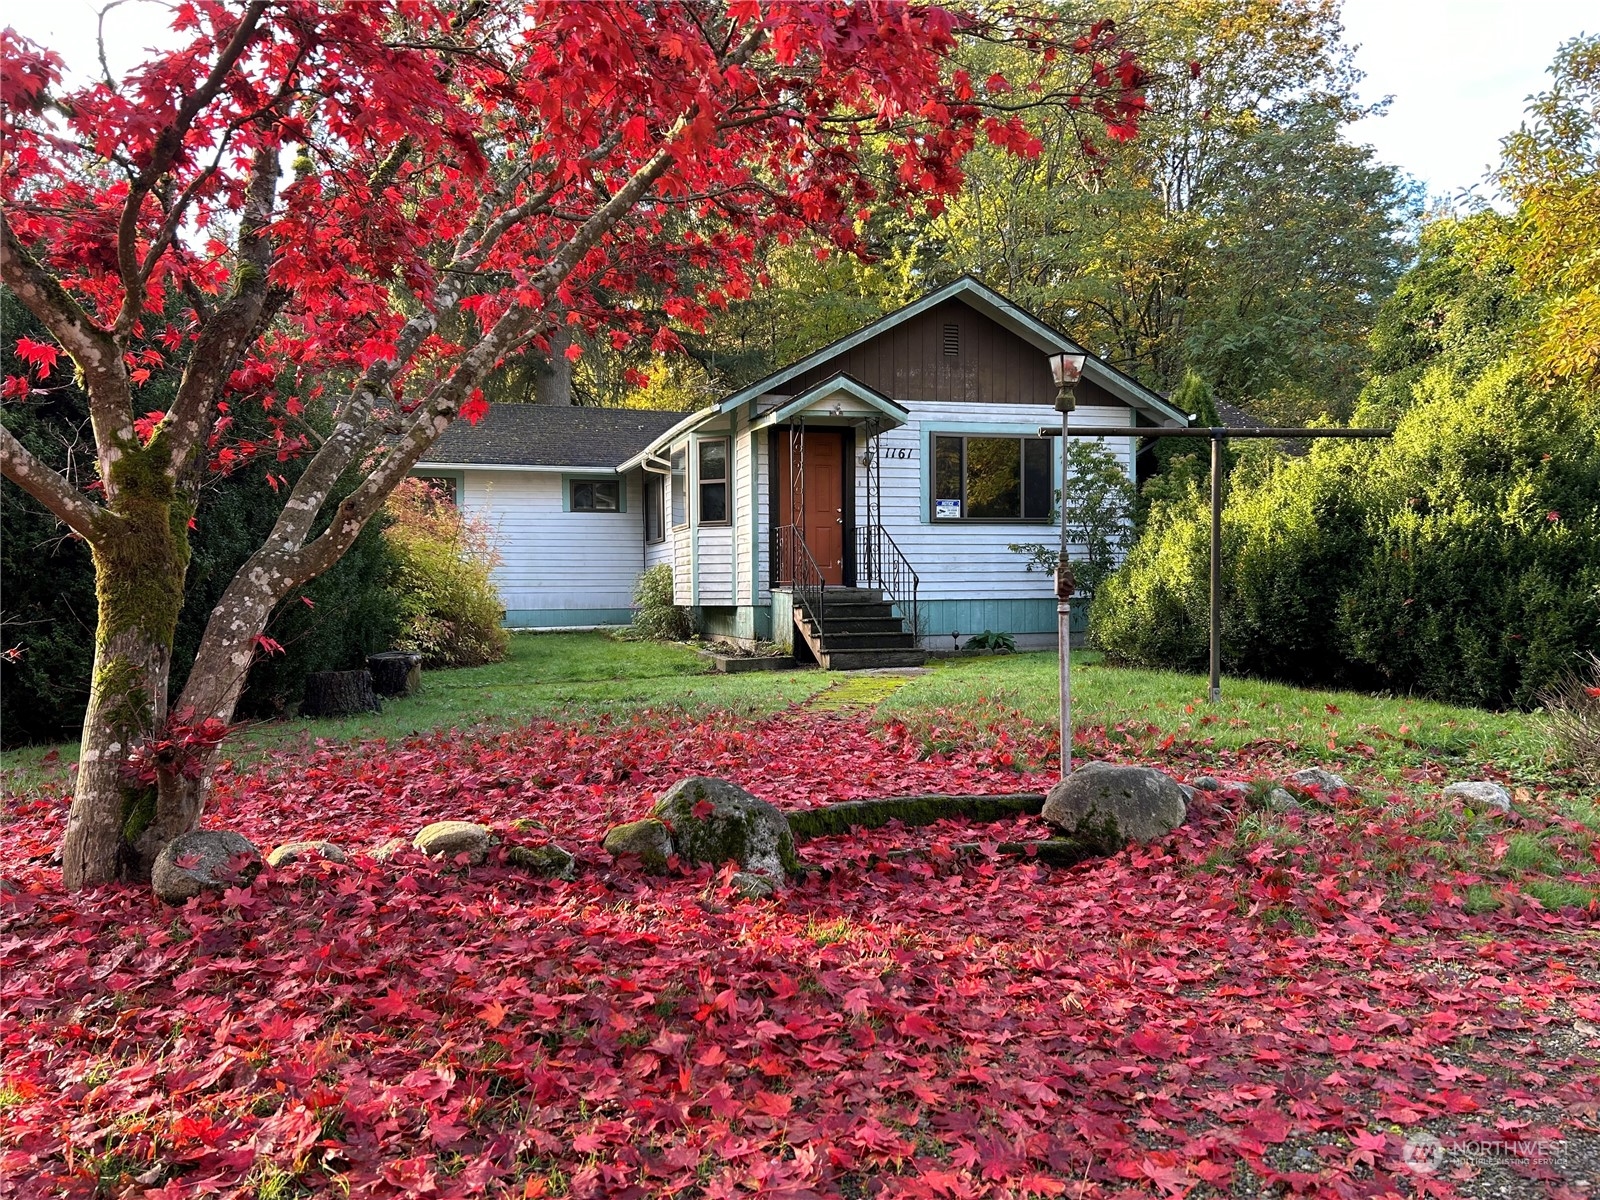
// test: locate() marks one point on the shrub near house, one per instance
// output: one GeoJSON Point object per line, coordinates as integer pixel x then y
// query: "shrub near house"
{"type": "Point", "coordinates": [450, 611]}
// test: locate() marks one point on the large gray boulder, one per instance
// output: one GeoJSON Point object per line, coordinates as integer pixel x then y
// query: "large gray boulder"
{"type": "Point", "coordinates": [646, 840]}
{"type": "Point", "coordinates": [1480, 793]}
{"type": "Point", "coordinates": [714, 821]}
{"type": "Point", "coordinates": [447, 839]}
{"type": "Point", "coordinates": [1109, 805]}
{"type": "Point", "coordinates": [203, 860]}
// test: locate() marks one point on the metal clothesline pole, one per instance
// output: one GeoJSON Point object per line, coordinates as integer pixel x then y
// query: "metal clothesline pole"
{"type": "Point", "coordinates": [1217, 434]}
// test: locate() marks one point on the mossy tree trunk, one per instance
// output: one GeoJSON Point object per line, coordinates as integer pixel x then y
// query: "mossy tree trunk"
{"type": "Point", "coordinates": [118, 823]}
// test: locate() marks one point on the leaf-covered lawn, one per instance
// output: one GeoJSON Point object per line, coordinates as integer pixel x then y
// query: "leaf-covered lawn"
{"type": "Point", "coordinates": [1271, 1002]}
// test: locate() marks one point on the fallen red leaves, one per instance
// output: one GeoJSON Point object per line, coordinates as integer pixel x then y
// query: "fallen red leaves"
{"type": "Point", "coordinates": [940, 1026]}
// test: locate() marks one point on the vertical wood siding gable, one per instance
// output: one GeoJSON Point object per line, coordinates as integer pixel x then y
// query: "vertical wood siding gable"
{"type": "Point", "coordinates": [908, 362]}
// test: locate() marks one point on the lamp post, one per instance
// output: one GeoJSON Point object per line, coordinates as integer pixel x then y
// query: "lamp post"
{"type": "Point", "coordinates": [1066, 369]}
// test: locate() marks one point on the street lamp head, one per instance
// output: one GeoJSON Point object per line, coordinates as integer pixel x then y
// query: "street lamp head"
{"type": "Point", "coordinates": [1066, 370]}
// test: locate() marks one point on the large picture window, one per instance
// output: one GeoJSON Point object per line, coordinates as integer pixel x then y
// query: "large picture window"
{"type": "Point", "coordinates": [978, 478]}
{"type": "Point", "coordinates": [680, 489]}
{"type": "Point", "coordinates": [713, 481]}
{"type": "Point", "coordinates": [655, 495]}
{"type": "Point", "coordinates": [596, 495]}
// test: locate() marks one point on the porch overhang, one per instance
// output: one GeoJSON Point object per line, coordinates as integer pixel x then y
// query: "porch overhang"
{"type": "Point", "coordinates": [838, 401]}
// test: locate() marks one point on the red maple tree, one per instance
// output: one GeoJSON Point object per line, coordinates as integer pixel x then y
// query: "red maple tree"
{"type": "Point", "coordinates": [368, 206]}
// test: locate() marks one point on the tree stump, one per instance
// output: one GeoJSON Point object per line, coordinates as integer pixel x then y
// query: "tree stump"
{"type": "Point", "coordinates": [395, 672]}
{"type": "Point", "coordinates": [339, 694]}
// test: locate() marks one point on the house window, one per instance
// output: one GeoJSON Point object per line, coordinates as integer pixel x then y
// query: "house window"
{"type": "Point", "coordinates": [655, 494]}
{"type": "Point", "coordinates": [991, 478]}
{"type": "Point", "coordinates": [680, 489]}
{"type": "Point", "coordinates": [596, 495]}
{"type": "Point", "coordinates": [714, 482]}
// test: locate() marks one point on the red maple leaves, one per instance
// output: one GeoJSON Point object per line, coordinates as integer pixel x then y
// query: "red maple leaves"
{"type": "Point", "coordinates": [937, 1025]}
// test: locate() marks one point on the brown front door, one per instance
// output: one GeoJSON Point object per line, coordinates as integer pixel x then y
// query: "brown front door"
{"type": "Point", "coordinates": [821, 514]}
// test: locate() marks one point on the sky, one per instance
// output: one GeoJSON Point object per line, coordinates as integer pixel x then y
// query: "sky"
{"type": "Point", "coordinates": [1459, 71]}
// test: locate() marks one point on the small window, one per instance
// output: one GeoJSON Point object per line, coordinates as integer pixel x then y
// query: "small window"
{"type": "Point", "coordinates": [655, 491]}
{"type": "Point", "coordinates": [680, 489]}
{"type": "Point", "coordinates": [991, 478]}
{"type": "Point", "coordinates": [952, 340]}
{"type": "Point", "coordinates": [714, 482]}
{"type": "Point", "coordinates": [596, 495]}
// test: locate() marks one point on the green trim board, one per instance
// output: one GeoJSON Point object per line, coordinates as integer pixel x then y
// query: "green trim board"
{"type": "Point", "coordinates": [558, 618]}
{"type": "Point", "coordinates": [941, 618]}
{"type": "Point", "coordinates": [568, 478]}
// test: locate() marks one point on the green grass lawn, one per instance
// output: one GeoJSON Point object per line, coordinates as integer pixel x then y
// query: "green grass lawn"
{"type": "Point", "coordinates": [567, 675]}
{"type": "Point", "coordinates": [560, 675]}
{"type": "Point", "coordinates": [1401, 732]}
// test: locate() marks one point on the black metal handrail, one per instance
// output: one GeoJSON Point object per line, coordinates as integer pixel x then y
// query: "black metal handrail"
{"type": "Point", "coordinates": [880, 564]}
{"type": "Point", "coordinates": [795, 568]}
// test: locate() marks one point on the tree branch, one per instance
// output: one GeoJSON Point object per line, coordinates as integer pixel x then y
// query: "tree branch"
{"type": "Point", "coordinates": [238, 319]}
{"type": "Point", "coordinates": [168, 145]}
{"type": "Point", "coordinates": [51, 489]}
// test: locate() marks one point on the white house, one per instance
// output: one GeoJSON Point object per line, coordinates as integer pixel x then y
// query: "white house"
{"type": "Point", "coordinates": [863, 497]}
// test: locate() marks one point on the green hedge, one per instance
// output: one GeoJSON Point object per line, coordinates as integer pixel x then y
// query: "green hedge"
{"type": "Point", "coordinates": [1460, 560]}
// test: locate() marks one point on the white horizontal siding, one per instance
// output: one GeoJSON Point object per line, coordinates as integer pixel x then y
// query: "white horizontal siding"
{"type": "Point", "coordinates": [958, 561]}
{"type": "Point", "coordinates": [682, 574]}
{"type": "Point", "coordinates": [555, 559]}
{"type": "Point", "coordinates": [716, 564]}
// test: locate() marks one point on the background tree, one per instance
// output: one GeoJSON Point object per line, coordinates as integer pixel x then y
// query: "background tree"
{"type": "Point", "coordinates": [1551, 170]}
{"type": "Point", "coordinates": [48, 617]}
{"type": "Point", "coordinates": [1241, 235]}
{"type": "Point", "coordinates": [460, 174]}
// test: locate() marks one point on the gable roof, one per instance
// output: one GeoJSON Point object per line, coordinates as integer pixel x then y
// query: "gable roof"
{"type": "Point", "coordinates": [549, 435]}
{"type": "Point", "coordinates": [997, 308]}
{"type": "Point", "coordinates": [837, 385]}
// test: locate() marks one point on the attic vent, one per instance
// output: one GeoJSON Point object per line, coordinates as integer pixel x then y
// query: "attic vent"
{"type": "Point", "coordinates": [952, 339]}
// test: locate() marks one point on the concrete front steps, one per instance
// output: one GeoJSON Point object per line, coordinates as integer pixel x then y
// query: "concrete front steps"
{"type": "Point", "coordinates": [859, 632]}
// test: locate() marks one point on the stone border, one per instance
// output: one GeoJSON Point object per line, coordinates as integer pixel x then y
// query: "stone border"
{"type": "Point", "coordinates": [833, 820]}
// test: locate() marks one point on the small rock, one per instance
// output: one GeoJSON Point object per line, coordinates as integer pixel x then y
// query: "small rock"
{"type": "Point", "coordinates": [1111, 805]}
{"type": "Point", "coordinates": [211, 859]}
{"type": "Point", "coordinates": [753, 886]}
{"type": "Point", "coordinates": [1283, 800]}
{"type": "Point", "coordinates": [294, 851]}
{"type": "Point", "coordinates": [550, 861]}
{"type": "Point", "coordinates": [446, 839]}
{"type": "Point", "coordinates": [1315, 777]}
{"type": "Point", "coordinates": [1208, 783]}
{"type": "Point", "coordinates": [387, 850]}
{"type": "Point", "coordinates": [648, 840]}
{"type": "Point", "coordinates": [1481, 793]}
{"type": "Point", "coordinates": [714, 821]}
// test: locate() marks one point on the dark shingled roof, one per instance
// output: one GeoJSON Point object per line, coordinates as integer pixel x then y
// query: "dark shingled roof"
{"type": "Point", "coordinates": [1234, 417]}
{"type": "Point", "coordinates": [548, 435]}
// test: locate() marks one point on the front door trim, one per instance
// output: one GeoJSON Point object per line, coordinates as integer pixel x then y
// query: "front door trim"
{"type": "Point", "coordinates": [777, 438]}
